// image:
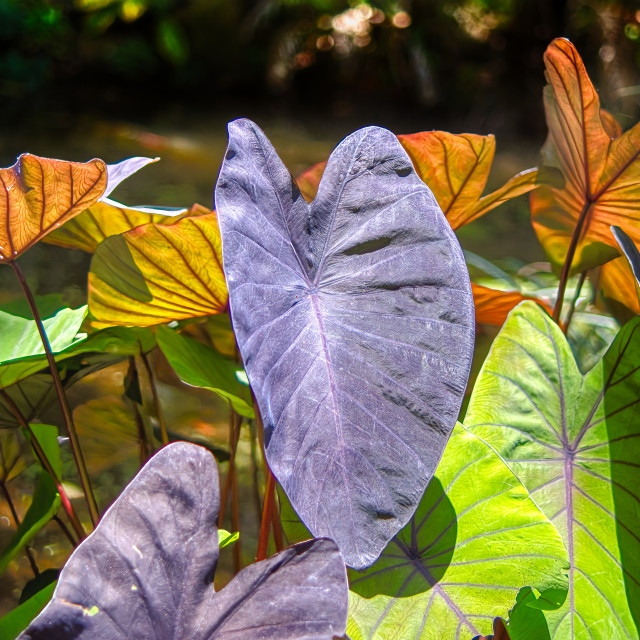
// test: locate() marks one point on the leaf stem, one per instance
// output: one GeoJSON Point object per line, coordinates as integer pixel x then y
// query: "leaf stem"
{"type": "Point", "coordinates": [46, 464]}
{"type": "Point", "coordinates": [566, 267]}
{"type": "Point", "coordinates": [132, 376]}
{"type": "Point", "coordinates": [65, 530]}
{"type": "Point", "coordinates": [574, 301]}
{"type": "Point", "coordinates": [64, 404]}
{"type": "Point", "coordinates": [14, 513]}
{"type": "Point", "coordinates": [156, 399]}
{"type": "Point", "coordinates": [267, 516]}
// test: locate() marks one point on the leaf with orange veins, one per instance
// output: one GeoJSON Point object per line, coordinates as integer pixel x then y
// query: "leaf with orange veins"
{"type": "Point", "coordinates": [456, 168]}
{"type": "Point", "coordinates": [599, 166]}
{"type": "Point", "coordinates": [38, 195]}
{"type": "Point", "coordinates": [102, 220]}
{"type": "Point", "coordinates": [156, 273]}
{"type": "Point", "coordinates": [493, 305]}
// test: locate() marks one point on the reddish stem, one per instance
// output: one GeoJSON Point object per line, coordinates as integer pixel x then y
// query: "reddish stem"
{"type": "Point", "coordinates": [267, 517]}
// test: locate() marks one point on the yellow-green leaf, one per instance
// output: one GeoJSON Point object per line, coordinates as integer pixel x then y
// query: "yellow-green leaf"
{"type": "Point", "coordinates": [157, 273]}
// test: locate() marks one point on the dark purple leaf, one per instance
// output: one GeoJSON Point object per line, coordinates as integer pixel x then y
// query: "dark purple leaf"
{"type": "Point", "coordinates": [146, 572]}
{"type": "Point", "coordinates": [354, 318]}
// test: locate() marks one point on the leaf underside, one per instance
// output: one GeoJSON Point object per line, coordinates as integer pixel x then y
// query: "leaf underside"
{"type": "Point", "coordinates": [354, 319]}
{"type": "Point", "coordinates": [147, 570]}
{"type": "Point", "coordinates": [574, 441]}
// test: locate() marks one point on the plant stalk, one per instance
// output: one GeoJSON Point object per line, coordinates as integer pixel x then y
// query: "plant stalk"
{"type": "Point", "coordinates": [566, 267]}
{"type": "Point", "coordinates": [156, 399]}
{"type": "Point", "coordinates": [142, 433]}
{"type": "Point", "coordinates": [14, 513]}
{"type": "Point", "coordinates": [574, 301]}
{"type": "Point", "coordinates": [65, 530]}
{"type": "Point", "coordinates": [267, 517]}
{"type": "Point", "coordinates": [46, 464]}
{"type": "Point", "coordinates": [64, 404]}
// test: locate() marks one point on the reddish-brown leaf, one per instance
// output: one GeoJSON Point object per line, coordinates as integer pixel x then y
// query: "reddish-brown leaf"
{"type": "Point", "coordinates": [39, 194]}
{"type": "Point", "coordinates": [600, 168]}
{"type": "Point", "coordinates": [493, 306]}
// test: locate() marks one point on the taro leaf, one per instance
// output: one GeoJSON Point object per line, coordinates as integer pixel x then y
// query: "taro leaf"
{"type": "Point", "coordinates": [45, 502]}
{"type": "Point", "coordinates": [574, 441]}
{"type": "Point", "coordinates": [456, 168]}
{"type": "Point", "coordinates": [12, 454]}
{"type": "Point", "coordinates": [354, 319]}
{"type": "Point", "coordinates": [147, 570]}
{"type": "Point", "coordinates": [476, 538]}
{"type": "Point", "coordinates": [39, 194]}
{"type": "Point", "coordinates": [103, 220]}
{"type": "Point", "coordinates": [18, 619]}
{"type": "Point", "coordinates": [21, 350]}
{"type": "Point", "coordinates": [600, 168]}
{"type": "Point", "coordinates": [200, 366]}
{"type": "Point", "coordinates": [156, 273]}
{"type": "Point", "coordinates": [493, 306]}
{"type": "Point", "coordinates": [225, 538]}
{"type": "Point", "coordinates": [629, 249]}
{"type": "Point", "coordinates": [108, 345]}
{"type": "Point", "coordinates": [619, 289]}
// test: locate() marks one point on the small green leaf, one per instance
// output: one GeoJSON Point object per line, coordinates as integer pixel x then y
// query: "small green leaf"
{"type": "Point", "coordinates": [225, 538]}
{"type": "Point", "coordinates": [200, 366]}
{"type": "Point", "coordinates": [18, 619]}
{"type": "Point", "coordinates": [21, 344]}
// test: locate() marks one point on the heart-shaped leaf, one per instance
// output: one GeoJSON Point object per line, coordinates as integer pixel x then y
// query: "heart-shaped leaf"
{"type": "Point", "coordinates": [146, 571]}
{"type": "Point", "coordinates": [619, 288]}
{"type": "Point", "coordinates": [354, 319]}
{"type": "Point", "coordinates": [629, 249]}
{"type": "Point", "coordinates": [476, 538]}
{"type": "Point", "coordinates": [456, 168]}
{"type": "Point", "coordinates": [39, 194]}
{"type": "Point", "coordinates": [157, 273]}
{"type": "Point", "coordinates": [600, 168]}
{"type": "Point", "coordinates": [574, 441]}
{"type": "Point", "coordinates": [87, 230]}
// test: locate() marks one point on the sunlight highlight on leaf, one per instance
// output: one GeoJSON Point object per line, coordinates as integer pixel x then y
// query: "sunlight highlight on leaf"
{"type": "Point", "coordinates": [157, 273]}
{"type": "Point", "coordinates": [102, 220]}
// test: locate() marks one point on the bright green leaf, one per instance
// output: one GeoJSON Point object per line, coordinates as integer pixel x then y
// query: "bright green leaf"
{"type": "Point", "coordinates": [574, 441]}
{"type": "Point", "coordinates": [200, 366]}
{"type": "Point", "coordinates": [475, 540]}
{"type": "Point", "coordinates": [18, 619]}
{"type": "Point", "coordinates": [225, 538]}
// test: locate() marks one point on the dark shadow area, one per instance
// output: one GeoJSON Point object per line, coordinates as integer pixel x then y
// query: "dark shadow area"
{"type": "Point", "coordinates": [621, 378]}
{"type": "Point", "coordinates": [417, 558]}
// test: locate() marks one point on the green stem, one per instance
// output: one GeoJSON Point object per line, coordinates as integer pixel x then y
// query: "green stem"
{"type": "Point", "coordinates": [46, 464]}
{"type": "Point", "coordinates": [574, 301]}
{"type": "Point", "coordinates": [156, 399]}
{"type": "Point", "coordinates": [64, 404]}
{"type": "Point", "coordinates": [566, 267]}
{"type": "Point", "coordinates": [14, 513]}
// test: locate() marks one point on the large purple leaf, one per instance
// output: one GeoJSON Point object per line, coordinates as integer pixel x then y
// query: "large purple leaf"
{"type": "Point", "coordinates": [354, 318]}
{"type": "Point", "coordinates": [146, 571]}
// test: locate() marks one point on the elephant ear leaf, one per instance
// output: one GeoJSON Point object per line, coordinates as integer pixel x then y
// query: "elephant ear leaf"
{"type": "Point", "coordinates": [574, 442]}
{"type": "Point", "coordinates": [364, 301]}
{"type": "Point", "coordinates": [37, 195]}
{"type": "Point", "coordinates": [147, 570]}
{"type": "Point", "coordinates": [629, 249]}
{"type": "Point", "coordinates": [599, 168]}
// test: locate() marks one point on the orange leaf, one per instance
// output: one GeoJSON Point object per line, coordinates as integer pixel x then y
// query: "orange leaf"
{"type": "Point", "coordinates": [157, 273]}
{"type": "Point", "coordinates": [600, 168]}
{"type": "Point", "coordinates": [87, 230]}
{"type": "Point", "coordinates": [39, 194]}
{"type": "Point", "coordinates": [456, 168]}
{"type": "Point", "coordinates": [309, 180]}
{"type": "Point", "coordinates": [619, 285]}
{"type": "Point", "coordinates": [493, 306]}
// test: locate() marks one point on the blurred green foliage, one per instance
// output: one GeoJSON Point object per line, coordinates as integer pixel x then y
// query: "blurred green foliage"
{"type": "Point", "coordinates": [475, 60]}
